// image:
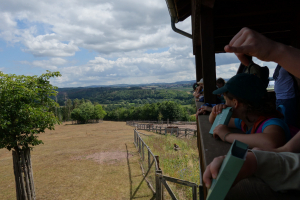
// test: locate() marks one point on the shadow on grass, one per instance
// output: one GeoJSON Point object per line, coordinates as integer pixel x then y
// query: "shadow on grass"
{"type": "Point", "coordinates": [133, 194]}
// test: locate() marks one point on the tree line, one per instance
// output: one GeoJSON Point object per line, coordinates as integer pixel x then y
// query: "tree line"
{"type": "Point", "coordinates": [155, 111]}
{"type": "Point", "coordinates": [135, 95]}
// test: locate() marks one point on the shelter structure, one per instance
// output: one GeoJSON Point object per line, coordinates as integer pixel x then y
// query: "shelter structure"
{"type": "Point", "coordinates": [214, 23]}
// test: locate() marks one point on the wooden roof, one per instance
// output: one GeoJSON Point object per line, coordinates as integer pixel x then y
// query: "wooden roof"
{"type": "Point", "coordinates": [273, 18]}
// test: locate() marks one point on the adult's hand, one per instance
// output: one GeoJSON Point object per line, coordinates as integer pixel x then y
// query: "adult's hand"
{"type": "Point", "coordinates": [212, 170]}
{"type": "Point", "coordinates": [251, 43]}
{"type": "Point", "coordinates": [248, 169]}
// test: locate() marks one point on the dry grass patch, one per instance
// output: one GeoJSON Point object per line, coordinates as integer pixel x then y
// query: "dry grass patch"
{"type": "Point", "coordinates": [87, 161]}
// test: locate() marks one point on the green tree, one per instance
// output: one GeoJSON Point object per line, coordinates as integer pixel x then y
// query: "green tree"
{"type": "Point", "coordinates": [87, 111]}
{"type": "Point", "coordinates": [99, 113]}
{"type": "Point", "coordinates": [25, 110]}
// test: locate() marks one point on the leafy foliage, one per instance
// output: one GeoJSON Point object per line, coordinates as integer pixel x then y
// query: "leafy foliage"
{"type": "Point", "coordinates": [86, 111]}
{"type": "Point", "coordinates": [25, 109]}
{"type": "Point", "coordinates": [155, 111]}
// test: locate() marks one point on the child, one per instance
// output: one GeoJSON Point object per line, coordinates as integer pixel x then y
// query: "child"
{"type": "Point", "coordinates": [252, 114]}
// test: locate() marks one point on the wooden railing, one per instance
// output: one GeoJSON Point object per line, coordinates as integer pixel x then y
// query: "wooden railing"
{"type": "Point", "coordinates": [161, 181]}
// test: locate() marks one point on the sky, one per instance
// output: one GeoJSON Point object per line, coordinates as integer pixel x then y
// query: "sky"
{"type": "Point", "coordinates": [100, 42]}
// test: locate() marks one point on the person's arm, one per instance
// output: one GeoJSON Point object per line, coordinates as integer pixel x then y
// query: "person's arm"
{"type": "Point", "coordinates": [291, 146]}
{"type": "Point", "coordinates": [251, 43]}
{"type": "Point", "coordinates": [272, 137]}
{"type": "Point", "coordinates": [248, 169]}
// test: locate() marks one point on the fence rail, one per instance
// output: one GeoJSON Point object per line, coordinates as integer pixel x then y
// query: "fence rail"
{"type": "Point", "coordinates": [173, 130]}
{"type": "Point", "coordinates": [161, 180]}
{"type": "Point", "coordinates": [164, 122]}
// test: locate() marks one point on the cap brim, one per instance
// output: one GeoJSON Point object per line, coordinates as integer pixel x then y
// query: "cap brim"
{"type": "Point", "coordinates": [220, 90]}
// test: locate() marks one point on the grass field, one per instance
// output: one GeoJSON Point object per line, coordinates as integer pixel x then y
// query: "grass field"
{"type": "Point", "coordinates": [91, 161]}
{"type": "Point", "coordinates": [182, 164]}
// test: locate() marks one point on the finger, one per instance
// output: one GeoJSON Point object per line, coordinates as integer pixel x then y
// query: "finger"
{"type": "Point", "coordinates": [215, 135]}
{"type": "Point", "coordinates": [207, 176]}
{"type": "Point", "coordinates": [215, 166]}
{"type": "Point", "coordinates": [237, 36]}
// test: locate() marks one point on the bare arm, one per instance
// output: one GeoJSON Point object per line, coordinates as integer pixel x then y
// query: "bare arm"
{"type": "Point", "coordinates": [249, 42]}
{"type": "Point", "coordinates": [291, 146]}
{"type": "Point", "coordinates": [272, 137]}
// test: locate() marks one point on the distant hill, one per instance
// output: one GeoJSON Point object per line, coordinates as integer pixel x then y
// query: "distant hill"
{"type": "Point", "coordinates": [140, 85]}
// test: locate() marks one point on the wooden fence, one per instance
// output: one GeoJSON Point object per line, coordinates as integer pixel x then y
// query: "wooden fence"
{"type": "Point", "coordinates": [173, 130]}
{"type": "Point", "coordinates": [89, 121]}
{"type": "Point", "coordinates": [164, 122]}
{"type": "Point", "coordinates": [157, 186]}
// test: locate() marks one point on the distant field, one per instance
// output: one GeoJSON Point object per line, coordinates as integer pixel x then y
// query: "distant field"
{"type": "Point", "coordinates": [92, 161]}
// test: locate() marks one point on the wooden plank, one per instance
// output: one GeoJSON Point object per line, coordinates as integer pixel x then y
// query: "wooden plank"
{"type": "Point", "coordinates": [178, 181]}
{"type": "Point", "coordinates": [208, 54]}
{"type": "Point", "coordinates": [168, 189]}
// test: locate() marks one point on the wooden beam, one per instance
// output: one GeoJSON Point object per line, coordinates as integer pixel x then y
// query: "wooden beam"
{"type": "Point", "coordinates": [198, 63]}
{"type": "Point", "coordinates": [208, 54]}
{"type": "Point", "coordinates": [195, 7]}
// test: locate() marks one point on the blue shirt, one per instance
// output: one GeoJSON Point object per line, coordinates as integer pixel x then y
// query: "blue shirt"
{"type": "Point", "coordinates": [284, 85]}
{"type": "Point", "coordinates": [272, 121]}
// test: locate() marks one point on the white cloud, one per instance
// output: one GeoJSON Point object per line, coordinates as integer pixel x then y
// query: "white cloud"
{"type": "Point", "coordinates": [51, 64]}
{"type": "Point", "coordinates": [120, 32]}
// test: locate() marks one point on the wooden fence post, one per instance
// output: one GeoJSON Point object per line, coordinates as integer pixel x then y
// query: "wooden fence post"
{"type": "Point", "coordinates": [177, 132]}
{"type": "Point", "coordinates": [149, 159]}
{"type": "Point", "coordinates": [159, 190]}
{"type": "Point", "coordinates": [160, 130]}
{"type": "Point", "coordinates": [185, 131]}
{"type": "Point", "coordinates": [143, 155]}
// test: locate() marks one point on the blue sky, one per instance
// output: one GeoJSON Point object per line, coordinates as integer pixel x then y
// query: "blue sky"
{"type": "Point", "coordinates": [99, 42]}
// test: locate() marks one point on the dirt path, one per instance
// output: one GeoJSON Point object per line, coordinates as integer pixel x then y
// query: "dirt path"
{"type": "Point", "coordinates": [93, 161]}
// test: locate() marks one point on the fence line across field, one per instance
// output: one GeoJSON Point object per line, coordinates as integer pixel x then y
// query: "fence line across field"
{"type": "Point", "coordinates": [160, 180]}
{"type": "Point", "coordinates": [164, 122]}
{"type": "Point", "coordinates": [164, 130]}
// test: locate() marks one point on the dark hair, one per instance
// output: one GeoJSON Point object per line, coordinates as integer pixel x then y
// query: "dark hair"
{"type": "Point", "coordinates": [265, 107]}
{"type": "Point", "coordinates": [195, 85]}
{"type": "Point", "coordinates": [221, 81]}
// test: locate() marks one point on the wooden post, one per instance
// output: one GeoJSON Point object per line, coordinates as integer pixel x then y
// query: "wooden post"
{"type": "Point", "coordinates": [16, 172]}
{"type": "Point", "coordinates": [194, 190]}
{"type": "Point", "coordinates": [143, 154]}
{"type": "Point", "coordinates": [139, 145]}
{"type": "Point", "coordinates": [25, 170]}
{"type": "Point", "coordinates": [177, 132]}
{"type": "Point", "coordinates": [171, 131]}
{"type": "Point", "coordinates": [160, 130]}
{"type": "Point", "coordinates": [208, 53]}
{"type": "Point", "coordinates": [158, 184]}
{"type": "Point", "coordinates": [167, 122]}
{"type": "Point", "coordinates": [185, 132]}
{"type": "Point", "coordinates": [149, 159]}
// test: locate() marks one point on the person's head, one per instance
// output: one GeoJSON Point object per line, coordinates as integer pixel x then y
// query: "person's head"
{"type": "Point", "coordinates": [200, 83]}
{"type": "Point", "coordinates": [220, 82]}
{"type": "Point", "coordinates": [246, 94]}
